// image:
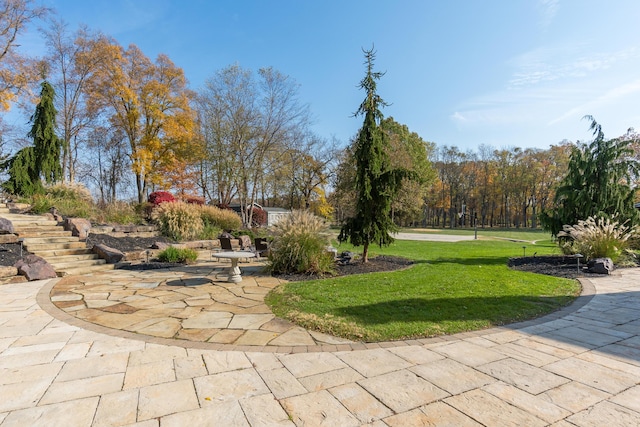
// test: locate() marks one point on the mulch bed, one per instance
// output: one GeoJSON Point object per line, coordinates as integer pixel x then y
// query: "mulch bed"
{"type": "Point", "coordinates": [377, 264]}
{"type": "Point", "coordinates": [552, 265]}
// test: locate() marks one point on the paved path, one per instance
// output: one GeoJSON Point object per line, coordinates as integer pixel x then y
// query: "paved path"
{"type": "Point", "coordinates": [432, 237]}
{"type": "Point", "coordinates": [578, 367]}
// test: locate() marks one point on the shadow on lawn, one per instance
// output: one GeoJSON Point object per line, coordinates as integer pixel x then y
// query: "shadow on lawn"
{"type": "Point", "coordinates": [569, 324]}
{"type": "Point", "coordinates": [497, 311]}
{"type": "Point", "coordinates": [469, 261]}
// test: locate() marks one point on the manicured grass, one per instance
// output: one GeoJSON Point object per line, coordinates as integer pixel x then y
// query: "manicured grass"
{"type": "Point", "coordinates": [525, 235]}
{"type": "Point", "coordinates": [452, 287]}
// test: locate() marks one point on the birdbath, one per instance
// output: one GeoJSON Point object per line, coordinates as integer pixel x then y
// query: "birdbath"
{"type": "Point", "coordinates": [234, 275]}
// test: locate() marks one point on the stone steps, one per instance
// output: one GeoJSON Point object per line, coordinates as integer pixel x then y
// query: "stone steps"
{"type": "Point", "coordinates": [42, 236]}
{"type": "Point", "coordinates": [75, 271]}
{"type": "Point", "coordinates": [33, 232]}
{"type": "Point", "coordinates": [63, 265]}
{"type": "Point", "coordinates": [44, 247]}
{"type": "Point", "coordinates": [62, 259]}
{"type": "Point", "coordinates": [61, 252]}
{"type": "Point", "coordinates": [48, 240]}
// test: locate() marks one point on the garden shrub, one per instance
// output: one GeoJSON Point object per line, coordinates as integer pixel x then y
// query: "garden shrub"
{"type": "Point", "coordinates": [595, 238]}
{"type": "Point", "coordinates": [181, 255]}
{"type": "Point", "coordinates": [244, 232]}
{"type": "Point", "coordinates": [158, 197]}
{"type": "Point", "coordinates": [210, 232]}
{"type": "Point", "coordinates": [259, 217]}
{"type": "Point", "coordinates": [196, 200]}
{"type": "Point", "coordinates": [299, 245]}
{"type": "Point", "coordinates": [178, 220]}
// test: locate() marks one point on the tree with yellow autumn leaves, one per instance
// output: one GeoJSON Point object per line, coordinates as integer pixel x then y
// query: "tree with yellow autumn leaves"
{"type": "Point", "coordinates": [150, 103]}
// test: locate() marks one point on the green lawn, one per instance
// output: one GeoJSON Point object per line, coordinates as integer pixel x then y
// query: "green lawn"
{"type": "Point", "coordinates": [452, 287]}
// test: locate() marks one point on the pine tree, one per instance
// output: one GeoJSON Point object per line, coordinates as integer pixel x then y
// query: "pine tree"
{"type": "Point", "coordinates": [47, 145]}
{"type": "Point", "coordinates": [597, 184]}
{"type": "Point", "coordinates": [376, 183]}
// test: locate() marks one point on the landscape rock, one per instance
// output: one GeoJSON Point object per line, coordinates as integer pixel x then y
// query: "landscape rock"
{"type": "Point", "coordinates": [34, 267]}
{"type": "Point", "coordinates": [111, 255]}
{"type": "Point", "coordinates": [245, 242]}
{"type": "Point", "coordinates": [160, 245]}
{"type": "Point", "coordinates": [600, 266]}
{"type": "Point", "coordinates": [6, 226]}
{"type": "Point", "coordinates": [55, 215]}
{"type": "Point", "coordinates": [79, 227]}
{"type": "Point", "coordinates": [346, 258]}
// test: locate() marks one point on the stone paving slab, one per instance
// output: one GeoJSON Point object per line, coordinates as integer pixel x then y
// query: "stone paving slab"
{"type": "Point", "coordinates": [59, 371]}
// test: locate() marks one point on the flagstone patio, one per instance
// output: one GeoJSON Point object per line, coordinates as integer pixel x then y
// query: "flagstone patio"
{"type": "Point", "coordinates": [192, 304]}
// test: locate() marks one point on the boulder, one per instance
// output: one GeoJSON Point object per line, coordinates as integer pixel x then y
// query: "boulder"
{"type": "Point", "coordinates": [346, 258]}
{"type": "Point", "coordinates": [111, 255]}
{"type": "Point", "coordinates": [600, 266]}
{"type": "Point", "coordinates": [79, 227]}
{"type": "Point", "coordinates": [6, 226]}
{"type": "Point", "coordinates": [34, 267]}
{"type": "Point", "coordinates": [245, 242]}
{"type": "Point", "coordinates": [55, 215]}
{"type": "Point", "coordinates": [160, 245]}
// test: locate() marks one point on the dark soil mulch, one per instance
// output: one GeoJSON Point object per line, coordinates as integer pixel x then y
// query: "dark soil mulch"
{"type": "Point", "coordinates": [125, 244]}
{"type": "Point", "coordinates": [552, 265]}
{"type": "Point", "coordinates": [10, 253]}
{"type": "Point", "coordinates": [377, 264]}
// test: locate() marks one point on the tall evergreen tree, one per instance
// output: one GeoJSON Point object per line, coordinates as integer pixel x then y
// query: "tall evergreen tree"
{"type": "Point", "coordinates": [597, 184]}
{"type": "Point", "coordinates": [47, 145]}
{"type": "Point", "coordinates": [376, 183]}
{"type": "Point", "coordinates": [23, 176]}
{"type": "Point", "coordinates": [42, 160]}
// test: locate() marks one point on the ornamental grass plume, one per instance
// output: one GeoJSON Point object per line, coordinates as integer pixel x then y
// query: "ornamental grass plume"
{"type": "Point", "coordinates": [178, 220]}
{"type": "Point", "coordinates": [595, 238]}
{"type": "Point", "coordinates": [225, 219]}
{"type": "Point", "coordinates": [299, 245]}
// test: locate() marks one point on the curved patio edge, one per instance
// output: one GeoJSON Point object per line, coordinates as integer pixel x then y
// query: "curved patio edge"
{"type": "Point", "coordinates": [43, 299]}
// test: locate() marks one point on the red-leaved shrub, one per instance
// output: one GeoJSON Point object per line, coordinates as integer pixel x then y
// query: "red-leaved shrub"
{"type": "Point", "coordinates": [194, 200]}
{"type": "Point", "coordinates": [158, 197]}
{"type": "Point", "coordinates": [259, 217]}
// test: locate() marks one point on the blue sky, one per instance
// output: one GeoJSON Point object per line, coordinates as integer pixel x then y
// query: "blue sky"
{"type": "Point", "coordinates": [459, 73]}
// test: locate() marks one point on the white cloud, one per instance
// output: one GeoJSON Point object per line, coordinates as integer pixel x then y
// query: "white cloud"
{"type": "Point", "coordinates": [607, 98]}
{"type": "Point", "coordinates": [564, 62]}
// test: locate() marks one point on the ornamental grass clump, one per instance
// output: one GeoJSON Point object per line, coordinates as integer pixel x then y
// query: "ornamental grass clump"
{"type": "Point", "coordinates": [178, 255]}
{"type": "Point", "coordinates": [224, 219]}
{"type": "Point", "coordinates": [299, 245]}
{"type": "Point", "coordinates": [70, 200]}
{"type": "Point", "coordinates": [117, 212]}
{"type": "Point", "coordinates": [595, 238]}
{"type": "Point", "coordinates": [178, 220]}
